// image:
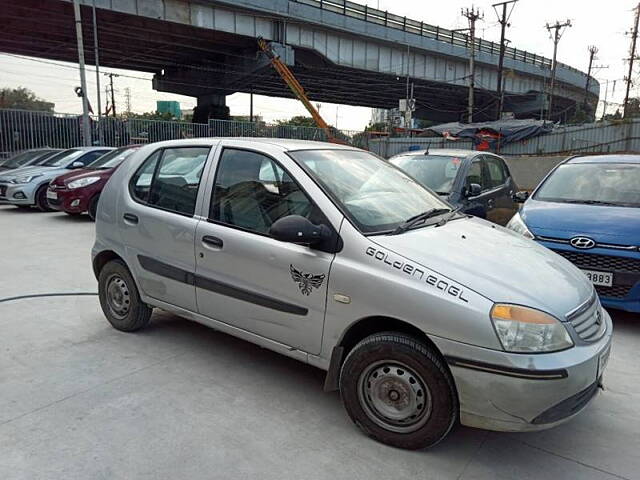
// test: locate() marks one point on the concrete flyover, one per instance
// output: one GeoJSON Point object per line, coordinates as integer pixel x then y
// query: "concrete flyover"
{"type": "Point", "coordinates": [342, 52]}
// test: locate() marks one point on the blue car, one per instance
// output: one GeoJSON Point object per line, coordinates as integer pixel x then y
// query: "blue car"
{"type": "Point", "coordinates": [588, 211]}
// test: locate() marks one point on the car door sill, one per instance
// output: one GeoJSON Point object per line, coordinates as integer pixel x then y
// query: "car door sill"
{"type": "Point", "coordinates": [264, 342]}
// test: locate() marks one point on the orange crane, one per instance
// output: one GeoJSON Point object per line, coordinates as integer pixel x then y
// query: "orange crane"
{"type": "Point", "coordinates": [297, 89]}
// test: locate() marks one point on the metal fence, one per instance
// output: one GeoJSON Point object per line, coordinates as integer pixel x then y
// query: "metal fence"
{"type": "Point", "coordinates": [601, 137]}
{"type": "Point", "coordinates": [21, 130]}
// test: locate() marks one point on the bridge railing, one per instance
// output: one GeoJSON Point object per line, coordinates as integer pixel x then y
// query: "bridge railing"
{"type": "Point", "coordinates": [380, 17]}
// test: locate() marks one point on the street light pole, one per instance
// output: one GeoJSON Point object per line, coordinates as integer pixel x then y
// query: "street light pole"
{"type": "Point", "coordinates": [86, 127]}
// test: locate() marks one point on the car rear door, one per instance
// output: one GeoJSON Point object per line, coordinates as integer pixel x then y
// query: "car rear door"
{"type": "Point", "coordinates": [246, 278]}
{"type": "Point", "coordinates": [158, 225]}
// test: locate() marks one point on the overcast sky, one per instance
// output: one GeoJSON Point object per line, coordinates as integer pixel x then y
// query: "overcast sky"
{"type": "Point", "coordinates": [603, 24]}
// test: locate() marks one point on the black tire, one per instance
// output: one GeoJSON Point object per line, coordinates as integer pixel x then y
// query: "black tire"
{"type": "Point", "coordinates": [41, 199]}
{"type": "Point", "coordinates": [129, 313]}
{"type": "Point", "coordinates": [409, 379]}
{"type": "Point", "coordinates": [93, 207]}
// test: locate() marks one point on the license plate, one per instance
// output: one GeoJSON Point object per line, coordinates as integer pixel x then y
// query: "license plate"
{"type": "Point", "coordinates": [604, 279]}
{"type": "Point", "coordinates": [603, 359]}
{"type": "Point", "coordinates": [52, 195]}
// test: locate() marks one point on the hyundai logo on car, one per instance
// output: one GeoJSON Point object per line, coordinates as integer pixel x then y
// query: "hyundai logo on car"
{"type": "Point", "coordinates": [583, 243]}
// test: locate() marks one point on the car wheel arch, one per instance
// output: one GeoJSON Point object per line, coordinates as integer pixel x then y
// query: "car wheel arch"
{"type": "Point", "coordinates": [363, 328]}
{"type": "Point", "coordinates": [103, 258]}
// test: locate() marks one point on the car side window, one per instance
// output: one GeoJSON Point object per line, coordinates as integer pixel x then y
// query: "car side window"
{"type": "Point", "coordinates": [92, 156]}
{"type": "Point", "coordinates": [495, 172]}
{"type": "Point", "coordinates": [252, 191]}
{"type": "Point", "coordinates": [474, 175]}
{"type": "Point", "coordinates": [169, 179]}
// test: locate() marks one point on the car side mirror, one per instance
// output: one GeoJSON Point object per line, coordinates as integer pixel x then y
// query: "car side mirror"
{"type": "Point", "coordinates": [297, 229]}
{"type": "Point", "coordinates": [473, 190]}
{"type": "Point", "coordinates": [520, 197]}
{"type": "Point", "coordinates": [77, 165]}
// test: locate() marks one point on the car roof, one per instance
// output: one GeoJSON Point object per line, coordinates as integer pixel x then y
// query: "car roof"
{"type": "Point", "coordinates": [610, 158]}
{"type": "Point", "coordinates": [284, 143]}
{"type": "Point", "coordinates": [444, 152]}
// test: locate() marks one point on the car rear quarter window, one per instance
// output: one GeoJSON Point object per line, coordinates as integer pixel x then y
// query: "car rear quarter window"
{"type": "Point", "coordinates": [169, 179]}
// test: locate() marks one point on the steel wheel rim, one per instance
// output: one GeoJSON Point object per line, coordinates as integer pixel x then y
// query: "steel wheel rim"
{"type": "Point", "coordinates": [118, 297]}
{"type": "Point", "coordinates": [394, 396]}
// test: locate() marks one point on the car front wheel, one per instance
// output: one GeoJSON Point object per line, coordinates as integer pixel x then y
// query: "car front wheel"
{"type": "Point", "coordinates": [119, 298]}
{"type": "Point", "coordinates": [398, 391]}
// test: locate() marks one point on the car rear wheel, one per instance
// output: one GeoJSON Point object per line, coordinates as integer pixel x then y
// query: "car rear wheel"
{"type": "Point", "coordinates": [398, 391]}
{"type": "Point", "coordinates": [119, 298]}
{"type": "Point", "coordinates": [41, 199]}
{"type": "Point", "coordinates": [93, 207]}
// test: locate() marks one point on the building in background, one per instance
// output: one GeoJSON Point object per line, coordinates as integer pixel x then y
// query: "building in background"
{"type": "Point", "coordinates": [169, 106]}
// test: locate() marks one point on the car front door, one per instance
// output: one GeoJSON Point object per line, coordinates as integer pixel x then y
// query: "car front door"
{"type": "Point", "coordinates": [158, 226]}
{"type": "Point", "coordinates": [501, 190]}
{"type": "Point", "coordinates": [246, 278]}
{"type": "Point", "coordinates": [475, 204]}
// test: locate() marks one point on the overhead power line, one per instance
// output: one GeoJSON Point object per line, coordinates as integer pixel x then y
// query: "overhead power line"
{"type": "Point", "coordinates": [632, 57]}
{"type": "Point", "coordinates": [558, 29]}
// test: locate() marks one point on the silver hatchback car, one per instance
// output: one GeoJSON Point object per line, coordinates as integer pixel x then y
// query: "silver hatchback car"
{"type": "Point", "coordinates": [420, 315]}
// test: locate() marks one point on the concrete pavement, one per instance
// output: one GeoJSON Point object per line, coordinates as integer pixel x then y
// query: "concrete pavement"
{"type": "Point", "coordinates": [80, 400]}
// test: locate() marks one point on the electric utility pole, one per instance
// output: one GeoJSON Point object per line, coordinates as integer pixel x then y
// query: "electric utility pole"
{"type": "Point", "coordinates": [558, 29]}
{"type": "Point", "coordinates": [97, 64]}
{"type": "Point", "coordinates": [86, 127]}
{"type": "Point", "coordinates": [593, 50]}
{"type": "Point", "coordinates": [632, 57]}
{"type": "Point", "coordinates": [113, 95]}
{"type": "Point", "coordinates": [473, 15]}
{"type": "Point", "coordinates": [503, 19]}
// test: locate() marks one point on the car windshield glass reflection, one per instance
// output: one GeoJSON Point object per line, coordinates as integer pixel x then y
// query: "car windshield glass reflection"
{"type": "Point", "coordinates": [375, 195]}
{"type": "Point", "coordinates": [435, 171]}
{"type": "Point", "coordinates": [593, 183]}
{"type": "Point", "coordinates": [111, 159]}
{"type": "Point", "coordinates": [63, 158]}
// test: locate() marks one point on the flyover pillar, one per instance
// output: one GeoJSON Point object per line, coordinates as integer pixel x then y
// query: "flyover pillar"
{"type": "Point", "coordinates": [211, 105]}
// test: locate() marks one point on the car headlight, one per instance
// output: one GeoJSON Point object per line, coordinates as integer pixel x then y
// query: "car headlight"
{"type": "Point", "coordinates": [517, 225]}
{"type": "Point", "coordinates": [82, 182]}
{"type": "Point", "coordinates": [523, 329]}
{"type": "Point", "coordinates": [25, 179]}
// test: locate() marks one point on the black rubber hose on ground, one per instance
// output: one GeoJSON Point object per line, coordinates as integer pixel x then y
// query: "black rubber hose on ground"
{"type": "Point", "coordinates": [38, 295]}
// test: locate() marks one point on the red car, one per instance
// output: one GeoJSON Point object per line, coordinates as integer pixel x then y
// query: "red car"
{"type": "Point", "coordinates": [79, 190]}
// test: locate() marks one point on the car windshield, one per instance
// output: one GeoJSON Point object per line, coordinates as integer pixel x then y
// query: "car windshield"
{"type": "Point", "coordinates": [21, 159]}
{"type": "Point", "coordinates": [435, 171]}
{"type": "Point", "coordinates": [63, 158]}
{"type": "Point", "coordinates": [112, 159]}
{"type": "Point", "coordinates": [375, 195]}
{"type": "Point", "coordinates": [593, 183]}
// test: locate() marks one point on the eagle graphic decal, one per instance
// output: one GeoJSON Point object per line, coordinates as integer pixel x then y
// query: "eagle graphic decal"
{"type": "Point", "coordinates": [306, 281]}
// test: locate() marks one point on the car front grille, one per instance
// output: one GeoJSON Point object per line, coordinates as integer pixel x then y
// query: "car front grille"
{"type": "Point", "coordinates": [601, 262]}
{"type": "Point", "coordinates": [588, 320]}
{"type": "Point", "coordinates": [616, 291]}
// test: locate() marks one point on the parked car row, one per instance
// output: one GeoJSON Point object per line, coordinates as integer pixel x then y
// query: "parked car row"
{"type": "Point", "coordinates": [67, 180]}
{"type": "Point", "coordinates": [587, 209]}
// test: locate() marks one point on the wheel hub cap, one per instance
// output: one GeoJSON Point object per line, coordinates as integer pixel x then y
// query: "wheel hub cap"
{"type": "Point", "coordinates": [394, 396]}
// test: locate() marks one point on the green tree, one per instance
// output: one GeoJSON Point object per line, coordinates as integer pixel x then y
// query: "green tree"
{"type": "Point", "coordinates": [298, 121]}
{"type": "Point", "coordinates": [23, 99]}
{"type": "Point", "coordinates": [633, 108]}
{"type": "Point", "coordinates": [166, 116]}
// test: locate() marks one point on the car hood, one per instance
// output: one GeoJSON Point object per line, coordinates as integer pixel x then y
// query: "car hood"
{"type": "Point", "coordinates": [605, 224]}
{"type": "Point", "coordinates": [83, 173]}
{"type": "Point", "coordinates": [23, 172]}
{"type": "Point", "coordinates": [499, 264]}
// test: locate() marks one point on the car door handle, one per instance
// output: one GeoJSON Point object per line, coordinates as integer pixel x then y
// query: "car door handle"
{"type": "Point", "coordinates": [212, 242]}
{"type": "Point", "coordinates": [130, 218]}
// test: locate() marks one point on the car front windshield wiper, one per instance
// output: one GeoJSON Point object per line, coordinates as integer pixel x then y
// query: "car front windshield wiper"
{"type": "Point", "coordinates": [442, 193]}
{"type": "Point", "coordinates": [421, 217]}
{"type": "Point", "coordinates": [591, 202]}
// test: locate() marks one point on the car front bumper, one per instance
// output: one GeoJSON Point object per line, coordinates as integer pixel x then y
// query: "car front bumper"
{"type": "Point", "coordinates": [71, 201]}
{"type": "Point", "coordinates": [18, 193]}
{"type": "Point", "coordinates": [525, 392]}
{"type": "Point", "coordinates": [624, 294]}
